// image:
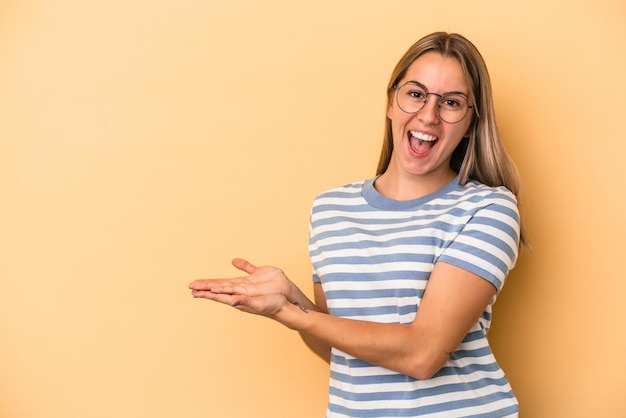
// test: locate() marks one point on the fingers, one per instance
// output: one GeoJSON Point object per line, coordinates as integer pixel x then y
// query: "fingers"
{"type": "Point", "coordinates": [236, 301]}
{"type": "Point", "coordinates": [218, 297]}
{"type": "Point", "coordinates": [207, 284]}
{"type": "Point", "coordinates": [244, 265]}
{"type": "Point", "coordinates": [219, 286]}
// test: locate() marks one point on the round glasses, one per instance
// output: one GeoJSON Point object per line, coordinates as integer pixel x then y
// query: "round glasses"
{"type": "Point", "coordinates": [451, 107]}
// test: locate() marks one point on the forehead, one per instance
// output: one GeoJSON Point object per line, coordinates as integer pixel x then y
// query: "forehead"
{"type": "Point", "coordinates": [437, 72]}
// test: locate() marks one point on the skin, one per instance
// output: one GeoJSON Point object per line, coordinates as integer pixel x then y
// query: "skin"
{"type": "Point", "coordinates": [454, 298]}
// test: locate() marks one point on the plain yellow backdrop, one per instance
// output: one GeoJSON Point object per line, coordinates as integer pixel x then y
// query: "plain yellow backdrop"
{"type": "Point", "coordinates": [143, 144]}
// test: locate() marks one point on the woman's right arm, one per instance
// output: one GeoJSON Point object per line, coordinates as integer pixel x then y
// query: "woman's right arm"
{"type": "Point", "coordinates": [317, 346]}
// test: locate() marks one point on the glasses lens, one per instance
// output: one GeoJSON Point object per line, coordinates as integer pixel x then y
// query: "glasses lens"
{"type": "Point", "coordinates": [411, 98]}
{"type": "Point", "coordinates": [452, 108]}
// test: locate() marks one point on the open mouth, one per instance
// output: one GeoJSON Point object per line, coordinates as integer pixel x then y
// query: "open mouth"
{"type": "Point", "coordinates": [421, 142]}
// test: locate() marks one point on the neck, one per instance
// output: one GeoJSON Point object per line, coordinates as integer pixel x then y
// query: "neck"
{"type": "Point", "coordinates": [402, 186]}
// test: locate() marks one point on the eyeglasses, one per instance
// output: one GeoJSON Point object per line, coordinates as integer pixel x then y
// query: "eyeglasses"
{"type": "Point", "coordinates": [451, 107]}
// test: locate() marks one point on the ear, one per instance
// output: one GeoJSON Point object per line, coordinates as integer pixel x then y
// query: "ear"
{"type": "Point", "coordinates": [390, 110]}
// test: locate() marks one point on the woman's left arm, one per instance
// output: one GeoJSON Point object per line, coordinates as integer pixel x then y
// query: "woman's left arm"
{"type": "Point", "coordinates": [452, 302]}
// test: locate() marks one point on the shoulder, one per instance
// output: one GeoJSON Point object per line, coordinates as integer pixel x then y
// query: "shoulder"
{"type": "Point", "coordinates": [346, 191]}
{"type": "Point", "coordinates": [479, 195]}
{"type": "Point", "coordinates": [475, 188]}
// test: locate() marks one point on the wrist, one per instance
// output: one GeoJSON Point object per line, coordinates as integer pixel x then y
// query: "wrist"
{"type": "Point", "coordinates": [293, 293]}
{"type": "Point", "coordinates": [294, 316]}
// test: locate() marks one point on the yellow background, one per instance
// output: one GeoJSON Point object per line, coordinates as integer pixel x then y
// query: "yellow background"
{"type": "Point", "coordinates": [143, 144]}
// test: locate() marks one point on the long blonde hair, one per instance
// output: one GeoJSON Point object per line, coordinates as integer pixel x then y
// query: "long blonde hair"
{"type": "Point", "coordinates": [481, 155]}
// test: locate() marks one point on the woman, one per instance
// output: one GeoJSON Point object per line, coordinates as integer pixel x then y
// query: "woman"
{"type": "Point", "coordinates": [407, 265]}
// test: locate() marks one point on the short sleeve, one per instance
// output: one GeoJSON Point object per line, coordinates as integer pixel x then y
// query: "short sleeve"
{"type": "Point", "coordinates": [488, 244]}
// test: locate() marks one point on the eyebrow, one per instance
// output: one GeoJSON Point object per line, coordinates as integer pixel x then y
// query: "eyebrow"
{"type": "Point", "coordinates": [418, 84]}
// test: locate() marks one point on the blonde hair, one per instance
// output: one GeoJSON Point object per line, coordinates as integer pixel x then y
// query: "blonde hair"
{"type": "Point", "coordinates": [480, 156]}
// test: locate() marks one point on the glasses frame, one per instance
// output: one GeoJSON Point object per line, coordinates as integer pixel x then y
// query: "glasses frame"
{"type": "Point", "coordinates": [441, 96]}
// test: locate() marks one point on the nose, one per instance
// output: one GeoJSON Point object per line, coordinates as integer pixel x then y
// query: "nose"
{"type": "Point", "coordinates": [429, 114]}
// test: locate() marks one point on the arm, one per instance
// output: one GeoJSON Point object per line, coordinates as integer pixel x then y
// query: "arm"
{"type": "Point", "coordinates": [453, 300]}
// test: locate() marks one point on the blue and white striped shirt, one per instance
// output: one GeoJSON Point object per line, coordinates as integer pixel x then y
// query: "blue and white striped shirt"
{"type": "Point", "coordinates": [373, 256]}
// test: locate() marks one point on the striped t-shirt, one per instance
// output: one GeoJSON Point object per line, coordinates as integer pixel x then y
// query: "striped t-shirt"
{"type": "Point", "coordinates": [373, 256]}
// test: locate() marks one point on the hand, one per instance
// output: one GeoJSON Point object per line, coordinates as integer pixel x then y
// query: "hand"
{"type": "Point", "coordinates": [263, 292]}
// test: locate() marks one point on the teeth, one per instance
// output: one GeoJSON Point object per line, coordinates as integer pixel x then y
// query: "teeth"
{"type": "Point", "coordinates": [423, 137]}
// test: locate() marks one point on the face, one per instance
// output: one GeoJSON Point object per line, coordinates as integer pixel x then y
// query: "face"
{"type": "Point", "coordinates": [423, 143]}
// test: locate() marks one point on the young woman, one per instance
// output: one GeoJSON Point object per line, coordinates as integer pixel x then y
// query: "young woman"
{"type": "Point", "coordinates": [407, 265]}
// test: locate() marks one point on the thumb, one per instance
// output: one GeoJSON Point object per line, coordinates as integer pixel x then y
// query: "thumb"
{"type": "Point", "coordinates": [244, 265]}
